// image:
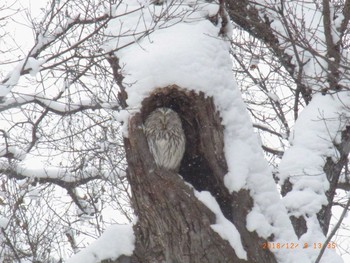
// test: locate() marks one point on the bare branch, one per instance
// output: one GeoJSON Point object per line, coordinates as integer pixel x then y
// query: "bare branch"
{"type": "Point", "coordinates": [334, 230]}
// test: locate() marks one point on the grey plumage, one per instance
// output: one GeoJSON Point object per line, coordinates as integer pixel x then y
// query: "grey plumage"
{"type": "Point", "coordinates": [165, 137]}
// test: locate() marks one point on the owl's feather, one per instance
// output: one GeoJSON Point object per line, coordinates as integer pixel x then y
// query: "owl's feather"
{"type": "Point", "coordinates": [165, 137]}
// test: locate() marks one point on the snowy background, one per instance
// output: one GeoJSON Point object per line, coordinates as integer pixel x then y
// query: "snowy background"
{"type": "Point", "coordinates": [188, 51]}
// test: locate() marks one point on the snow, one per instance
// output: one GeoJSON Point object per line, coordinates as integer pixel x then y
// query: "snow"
{"type": "Point", "coordinates": [167, 51]}
{"type": "Point", "coordinates": [223, 226]}
{"type": "Point", "coordinates": [304, 202]}
{"type": "Point", "coordinates": [189, 53]}
{"type": "Point", "coordinates": [12, 78]}
{"type": "Point", "coordinates": [34, 65]}
{"type": "Point", "coordinates": [3, 222]}
{"type": "Point", "coordinates": [16, 152]}
{"type": "Point", "coordinates": [57, 106]}
{"type": "Point", "coordinates": [117, 240]}
{"type": "Point", "coordinates": [305, 28]}
{"type": "Point", "coordinates": [320, 123]}
{"type": "Point", "coordinates": [315, 132]}
{"type": "Point", "coordinates": [317, 128]}
{"type": "Point", "coordinates": [40, 170]}
{"type": "Point", "coordinates": [185, 49]}
{"type": "Point", "coordinates": [273, 96]}
{"type": "Point", "coordinates": [193, 56]}
{"type": "Point", "coordinates": [315, 236]}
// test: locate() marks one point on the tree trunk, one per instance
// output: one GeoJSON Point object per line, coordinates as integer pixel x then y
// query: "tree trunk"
{"type": "Point", "coordinates": [173, 225]}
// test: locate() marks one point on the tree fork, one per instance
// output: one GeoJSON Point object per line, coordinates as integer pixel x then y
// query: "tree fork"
{"type": "Point", "coordinates": [173, 225]}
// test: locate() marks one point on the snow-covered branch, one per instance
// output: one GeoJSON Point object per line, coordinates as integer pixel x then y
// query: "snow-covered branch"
{"type": "Point", "coordinates": [57, 107]}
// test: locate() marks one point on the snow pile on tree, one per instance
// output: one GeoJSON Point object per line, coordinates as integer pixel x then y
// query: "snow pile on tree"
{"type": "Point", "coordinates": [117, 240]}
{"type": "Point", "coordinates": [187, 51]}
{"type": "Point", "coordinates": [176, 44]}
{"type": "Point", "coordinates": [313, 137]}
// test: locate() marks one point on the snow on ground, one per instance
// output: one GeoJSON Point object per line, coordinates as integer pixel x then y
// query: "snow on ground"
{"type": "Point", "coordinates": [117, 240]}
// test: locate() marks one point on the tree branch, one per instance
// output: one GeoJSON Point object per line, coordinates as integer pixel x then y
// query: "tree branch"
{"type": "Point", "coordinates": [334, 230]}
{"type": "Point", "coordinates": [244, 13]}
{"type": "Point", "coordinates": [11, 173]}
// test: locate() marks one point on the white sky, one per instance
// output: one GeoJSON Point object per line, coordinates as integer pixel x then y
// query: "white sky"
{"type": "Point", "coordinates": [18, 26]}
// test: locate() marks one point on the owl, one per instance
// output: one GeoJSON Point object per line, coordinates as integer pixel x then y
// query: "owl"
{"type": "Point", "coordinates": [165, 137]}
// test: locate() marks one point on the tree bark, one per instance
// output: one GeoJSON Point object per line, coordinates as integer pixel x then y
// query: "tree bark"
{"type": "Point", "coordinates": [173, 225]}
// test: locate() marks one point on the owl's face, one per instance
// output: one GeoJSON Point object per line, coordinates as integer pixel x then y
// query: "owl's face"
{"type": "Point", "coordinates": [164, 119]}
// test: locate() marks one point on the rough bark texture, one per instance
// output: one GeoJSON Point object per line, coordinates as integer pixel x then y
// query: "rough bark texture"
{"type": "Point", "coordinates": [173, 225]}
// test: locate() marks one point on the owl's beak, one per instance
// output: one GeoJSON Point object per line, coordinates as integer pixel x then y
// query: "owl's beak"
{"type": "Point", "coordinates": [164, 124]}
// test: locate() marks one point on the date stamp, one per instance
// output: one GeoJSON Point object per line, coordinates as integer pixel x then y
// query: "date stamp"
{"type": "Point", "coordinates": [292, 245]}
